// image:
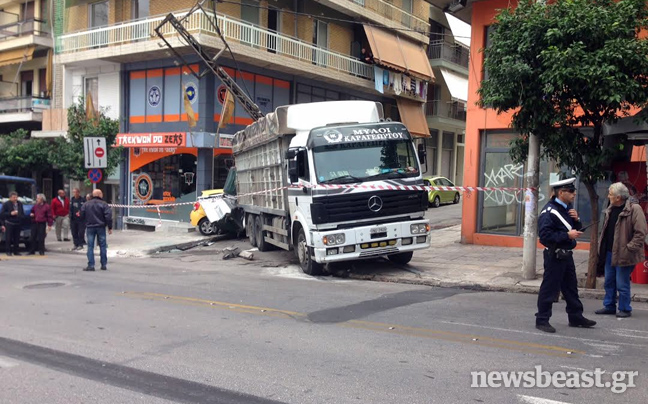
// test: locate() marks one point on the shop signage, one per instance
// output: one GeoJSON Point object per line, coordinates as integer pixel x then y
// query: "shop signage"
{"type": "Point", "coordinates": [225, 141]}
{"type": "Point", "coordinates": [168, 139]}
{"type": "Point", "coordinates": [143, 187]}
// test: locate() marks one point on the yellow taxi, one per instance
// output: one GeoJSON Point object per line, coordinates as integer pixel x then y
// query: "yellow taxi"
{"type": "Point", "coordinates": [198, 218]}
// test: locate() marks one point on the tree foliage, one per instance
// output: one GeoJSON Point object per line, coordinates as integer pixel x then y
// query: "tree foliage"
{"type": "Point", "coordinates": [22, 156]}
{"type": "Point", "coordinates": [67, 152]}
{"type": "Point", "coordinates": [567, 68]}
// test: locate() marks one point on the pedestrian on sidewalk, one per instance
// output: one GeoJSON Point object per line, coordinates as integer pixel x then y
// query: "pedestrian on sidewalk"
{"type": "Point", "coordinates": [97, 215]}
{"type": "Point", "coordinates": [558, 227]}
{"type": "Point", "coordinates": [61, 212]}
{"type": "Point", "coordinates": [77, 225]}
{"type": "Point", "coordinates": [12, 214]}
{"type": "Point", "coordinates": [621, 247]}
{"type": "Point", "coordinates": [41, 216]}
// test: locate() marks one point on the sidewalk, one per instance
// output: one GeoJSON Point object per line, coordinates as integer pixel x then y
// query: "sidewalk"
{"type": "Point", "coordinates": [133, 244]}
{"type": "Point", "coordinates": [447, 263]}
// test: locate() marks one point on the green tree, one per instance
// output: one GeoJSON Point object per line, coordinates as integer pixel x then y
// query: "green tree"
{"type": "Point", "coordinates": [562, 66]}
{"type": "Point", "coordinates": [67, 153]}
{"type": "Point", "coordinates": [22, 156]}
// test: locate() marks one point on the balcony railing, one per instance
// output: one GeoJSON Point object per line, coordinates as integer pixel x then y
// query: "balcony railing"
{"type": "Point", "coordinates": [444, 109]}
{"type": "Point", "coordinates": [12, 27]}
{"type": "Point", "coordinates": [392, 12]}
{"type": "Point", "coordinates": [23, 104]}
{"type": "Point", "coordinates": [232, 29]}
{"type": "Point", "coordinates": [454, 53]}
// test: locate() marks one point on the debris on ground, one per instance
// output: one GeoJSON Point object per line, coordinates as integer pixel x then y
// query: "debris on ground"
{"type": "Point", "coordinates": [233, 252]}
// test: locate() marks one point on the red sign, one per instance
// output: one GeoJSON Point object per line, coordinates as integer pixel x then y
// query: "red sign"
{"type": "Point", "coordinates": [99, 152]}
{"type": "Point", "coordinates": [169, 139]}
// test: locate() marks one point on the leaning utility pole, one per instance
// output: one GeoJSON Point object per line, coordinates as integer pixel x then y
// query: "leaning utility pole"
{"type": "Point", "coordinates": [531, 209]}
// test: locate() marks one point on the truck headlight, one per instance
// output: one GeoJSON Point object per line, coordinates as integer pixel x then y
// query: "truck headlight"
{"type": "Point", "coordinates": [421, 228]}
{"type": "Point", "coordinates": [334, 239]}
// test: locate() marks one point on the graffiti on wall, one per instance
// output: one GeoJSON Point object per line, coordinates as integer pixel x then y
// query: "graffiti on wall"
{"type": "Point", "coordinates": [504, 177]}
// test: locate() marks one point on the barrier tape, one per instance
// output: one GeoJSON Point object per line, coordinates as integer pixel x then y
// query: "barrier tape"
{"type": "Point", "coordinates": [341, 186]}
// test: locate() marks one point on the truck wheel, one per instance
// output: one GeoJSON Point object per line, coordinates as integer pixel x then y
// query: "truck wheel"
{"type": "Point", "coordinates": [401, 258]}
{"type": "Point", "coordinates": [437, 202]}
{"type": "Point", "coordinates": [303, 252]}
{"type": "Point", "coordinates": [249, 229]}
{"type": "Point", "coordinates": [259, 234]}
{"type": "Point", "coordinates": [204, 227]}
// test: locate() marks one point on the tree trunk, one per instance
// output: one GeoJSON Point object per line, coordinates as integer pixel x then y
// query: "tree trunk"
{"type": "Point", "coordinates": [531, 210]}
{"type": "Point", "coordinates": [593, 253]}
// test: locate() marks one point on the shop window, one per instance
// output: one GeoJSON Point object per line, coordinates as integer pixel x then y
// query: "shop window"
{"type": "Point", "coordinates": [170, 179]}
{"type": "Point", "coordinates": [222, 164]}
{"type": "Point", "coordinates": [92, 88]}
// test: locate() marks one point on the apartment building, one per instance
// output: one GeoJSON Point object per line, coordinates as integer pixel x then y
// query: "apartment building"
{"type": "Point", "coordinates": [25, 81]}
{"type": "Point", "coordinates": [445, 109]}
{"type": "Point", "coordinates": [285, 51]}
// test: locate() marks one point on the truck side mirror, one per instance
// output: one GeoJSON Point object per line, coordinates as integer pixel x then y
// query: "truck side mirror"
{"type": "Point", "coordinates": [422, 154]}
{"type": "Point", "coordinates": [293, 172]}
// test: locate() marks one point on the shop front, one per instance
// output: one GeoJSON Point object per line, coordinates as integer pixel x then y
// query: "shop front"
{"type": "Point", "coordinates": [171, 169]}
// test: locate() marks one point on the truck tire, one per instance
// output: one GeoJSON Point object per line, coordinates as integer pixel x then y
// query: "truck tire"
{"type": "Point", "coordinates": [303, 252]}
{"type": "Point", "coordinates": [401, 258]}
{"type": "Point", "coordinates": [204, 227]}
{"type": "Point", "coordinates": [249, 229]}
{"type": "Point", "coordinates": [259, 235]}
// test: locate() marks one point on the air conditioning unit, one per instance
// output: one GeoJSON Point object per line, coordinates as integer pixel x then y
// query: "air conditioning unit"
{"type": "Point", "coordinates": [457, 5]}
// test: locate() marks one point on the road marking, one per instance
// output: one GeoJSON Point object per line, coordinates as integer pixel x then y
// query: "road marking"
{"type": "Point", "coordinates": [471, 339]}
{"type": "Point", "coordinates": [538, 400]}
{"type": "Point", "coordinates": [6, 363]}
{"type": "Point", "coordinates": [585, 340]}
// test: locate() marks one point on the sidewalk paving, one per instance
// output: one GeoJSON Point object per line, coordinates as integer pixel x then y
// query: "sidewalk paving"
{"type": "Point", "coordinates": [447, 263]}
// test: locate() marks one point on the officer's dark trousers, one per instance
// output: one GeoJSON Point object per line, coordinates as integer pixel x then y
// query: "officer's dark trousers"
{"type": "Point", "coordinates": [559, 275]}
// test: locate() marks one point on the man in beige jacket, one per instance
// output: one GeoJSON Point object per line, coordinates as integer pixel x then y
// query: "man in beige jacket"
{"type": "Point", "coordinates": [621, 247]}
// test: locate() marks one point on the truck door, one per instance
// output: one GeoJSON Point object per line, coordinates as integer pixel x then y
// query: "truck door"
{"type": "Point", "coordinates": [300, 196]}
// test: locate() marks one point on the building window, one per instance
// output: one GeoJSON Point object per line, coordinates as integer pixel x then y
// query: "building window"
{"type": "Point", "coordinates": [27, 83]}
{"type": "Point", "coordinates": [406, 17]}
{"type": "Point", "coordinates": [306, 93]}
{"type": "Point", "coordinates": [488, 38]}
{"type": "Point", "coordinates": [91, 87]}
{"type": "Point", "coordinates": [140, 9]}
{"type": "Point", "coordinates": [99, 14]}
{"type": "Point", "coordinates": [320, 40]}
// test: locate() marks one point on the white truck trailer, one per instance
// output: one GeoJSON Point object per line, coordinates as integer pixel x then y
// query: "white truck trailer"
{"type": "Point", "coordinates": [326, 180]}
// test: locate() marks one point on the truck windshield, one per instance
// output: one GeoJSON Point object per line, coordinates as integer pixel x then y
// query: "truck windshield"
{"type": "Point", "coordinates": [362, 161]}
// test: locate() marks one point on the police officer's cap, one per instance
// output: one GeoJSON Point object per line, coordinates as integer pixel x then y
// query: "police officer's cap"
{"type": "Point", "coordinates": [567, 184]}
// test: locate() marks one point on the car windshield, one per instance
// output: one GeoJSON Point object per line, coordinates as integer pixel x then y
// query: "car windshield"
{"type": "Point", "coordinates": [362, 161]}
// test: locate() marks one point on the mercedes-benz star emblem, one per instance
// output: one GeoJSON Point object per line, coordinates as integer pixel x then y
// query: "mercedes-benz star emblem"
{"type": "Point", "coordinates": [375, 203]}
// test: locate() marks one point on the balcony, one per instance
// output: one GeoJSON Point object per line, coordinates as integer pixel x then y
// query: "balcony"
{"type": "Point", "coordinates": [442, 51]}
{"type": "Point", "coordinates": [23, 109]}
{"type": "Point", "coordinates": [446, 110]}
{"type": "Point", "coordinates": [16, 33]}
{"type": "Point", "coordinates": [394, 13]}
{"type": "Point", "coordinates": [130, 40]}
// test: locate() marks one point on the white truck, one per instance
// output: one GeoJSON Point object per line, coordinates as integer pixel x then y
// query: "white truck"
{"type": "Point", "coordinates": [326, 180]}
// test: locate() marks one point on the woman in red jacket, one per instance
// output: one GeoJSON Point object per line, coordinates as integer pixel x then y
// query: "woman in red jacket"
{"type": "Point", "coordinates": [41, 215]}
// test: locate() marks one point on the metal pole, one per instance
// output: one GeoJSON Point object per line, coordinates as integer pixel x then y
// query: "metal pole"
{"type": "Point", "coordinates": [531, 209]}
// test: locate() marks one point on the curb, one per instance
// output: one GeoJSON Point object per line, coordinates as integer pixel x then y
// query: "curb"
{"type": "Point", "coordinates": [479, 287]}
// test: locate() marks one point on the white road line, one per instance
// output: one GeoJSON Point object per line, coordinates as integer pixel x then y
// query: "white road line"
{"type": "Point", "coordinates": [538, 400]}
{"type": "Point", "coordinates": [629, 330]}
{"type": "Point", "coordinates": [6, 363]}
{"type": "Point", "coordinates": [585, 340]}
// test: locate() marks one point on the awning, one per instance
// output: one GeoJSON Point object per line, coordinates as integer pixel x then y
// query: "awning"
{"type": "Point", "coordinates": [460, 30]}
{"type": "Point", "coordinates": [15, 56]}
{"type": "Point", "coordinates": [399, 54]}
{"type": "Point", "coordinates": [457, 85]}
{"type": "Point", "coordinates": [413, 116]}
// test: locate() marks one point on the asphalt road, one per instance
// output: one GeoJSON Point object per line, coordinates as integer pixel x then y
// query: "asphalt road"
{"type": "Point", "coordinates": [193, 328]}
{"type": "Point", "coordinates": [445, 215]}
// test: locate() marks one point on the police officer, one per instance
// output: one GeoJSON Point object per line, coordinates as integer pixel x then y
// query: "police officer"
{"type": "Point", "coordinates": [558, 226]}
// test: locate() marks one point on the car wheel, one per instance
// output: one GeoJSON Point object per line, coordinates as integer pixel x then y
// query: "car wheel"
{"type": "Point", "coordinates": [215, 229]}
{"type": "Point", "coordinates": [249, 229]}
{"type": "Point", "coordinates": [456, 198]}
{"type": "Point", "coordinates": [262, 245]}
{"type": "Point", "coordinates": [204, 227]}
{"type": "Point", "coordinates": [401, 258]}
{"type": "Point", "coordinates": [303, 252]}
{"type": "Point", "coordinates": [436, 202]}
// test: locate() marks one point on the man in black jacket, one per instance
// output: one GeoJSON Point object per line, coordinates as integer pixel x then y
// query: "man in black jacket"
{"type": "Point", "coordinates": [559, 227]}
{"type": "Point", "coordinates": [76, 222]}
{"type": "Point", "coordinates": [97, 216]}
{"type": "Point", "coordinates": [12, 214]}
